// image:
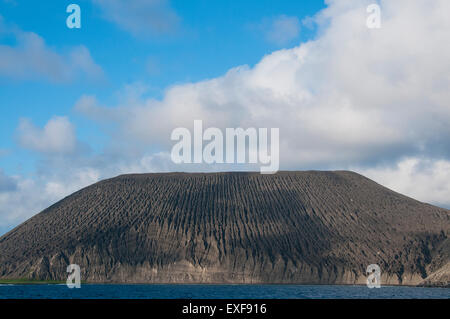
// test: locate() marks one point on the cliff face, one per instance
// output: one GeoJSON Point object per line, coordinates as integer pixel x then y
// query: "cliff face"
{"type": "Point", "coordinates": [291, 227]}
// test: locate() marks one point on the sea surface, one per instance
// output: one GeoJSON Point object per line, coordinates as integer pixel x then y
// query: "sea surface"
{"type": "Point", "coordinates": [109, 291]}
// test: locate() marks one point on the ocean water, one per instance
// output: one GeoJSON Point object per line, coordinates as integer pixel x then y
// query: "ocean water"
{"type": "Point", "coordinates": [92, 291]}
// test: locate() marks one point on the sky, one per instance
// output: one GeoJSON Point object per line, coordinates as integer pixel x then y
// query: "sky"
{"type": "Point", "coordinates": [81, 105]}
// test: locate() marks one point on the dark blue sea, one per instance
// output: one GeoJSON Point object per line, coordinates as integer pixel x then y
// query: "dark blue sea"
{"type": "Point", "coordinates": [92, 291]}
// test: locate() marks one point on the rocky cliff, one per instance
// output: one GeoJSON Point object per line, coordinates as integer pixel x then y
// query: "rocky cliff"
{"type": "Point", "coordinates": [291, 227]}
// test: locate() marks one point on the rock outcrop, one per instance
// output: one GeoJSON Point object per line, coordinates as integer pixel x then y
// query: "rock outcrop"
{"type": "Point", "coordinates": [291, 227]}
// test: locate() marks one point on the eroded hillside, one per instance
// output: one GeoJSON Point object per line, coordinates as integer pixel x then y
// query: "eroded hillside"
{"type": "Point", "coordinates": [291, 227]}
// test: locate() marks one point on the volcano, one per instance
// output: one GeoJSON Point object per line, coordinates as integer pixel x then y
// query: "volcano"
{"type": "Point", "coordinates": [311, 227]}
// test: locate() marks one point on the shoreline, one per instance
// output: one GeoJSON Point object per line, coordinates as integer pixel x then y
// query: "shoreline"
{"type": "Point", "coordinates": [56, 282]}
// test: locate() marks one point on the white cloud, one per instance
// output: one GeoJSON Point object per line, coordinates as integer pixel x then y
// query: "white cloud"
{"type": "Point", "coordinates": [31, 58]}
{"type": "Point", "coordinates": [353, 95]}
{"type": "Point", "coordinates": [80, 177]}
{"type": "Point", "coordinates": [81, 60]}
{"type": "Point", "coordinates": [426, 180]}
{"type": "Point", "coordinates": [31, 196]}
{"type": "Point", "coordinates": [89, 105]}
{"type": "Point", "coordinates": [140, 17]}
{"type": "Point", "coordinates": [283, 29]}
{"type": "Point", "coordinates": [7, 183]}
{"type": "Point", "coordinates": [56, 137]}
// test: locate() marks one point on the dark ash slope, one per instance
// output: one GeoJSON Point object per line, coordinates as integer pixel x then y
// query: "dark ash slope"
{"type": "Point", "coordinates": [291, 227]}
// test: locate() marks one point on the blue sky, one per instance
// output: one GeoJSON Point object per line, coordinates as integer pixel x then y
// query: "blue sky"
{"type": "Point", "coordinates": [210, 37]}
{"type": "Point", "coordinates": [81, 105]}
